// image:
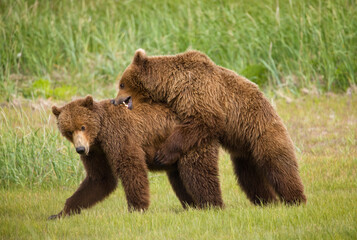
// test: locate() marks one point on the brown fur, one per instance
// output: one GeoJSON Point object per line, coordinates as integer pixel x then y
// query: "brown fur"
{"type": "Point", "coordinates": [214, 103]}
{"type": "Point", "coordinates": [117, 142]}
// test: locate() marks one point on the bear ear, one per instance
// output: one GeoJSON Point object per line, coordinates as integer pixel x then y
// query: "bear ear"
{"type": "Point", "coordinates": [140, 56]}
{"type": "Point", "coordinates": [88, 102]}
{"type": "Point", "coordinates": [56, 111]}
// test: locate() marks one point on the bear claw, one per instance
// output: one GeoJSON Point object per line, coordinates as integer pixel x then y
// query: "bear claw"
{"type": "Point", "coordinates": [53, 217]}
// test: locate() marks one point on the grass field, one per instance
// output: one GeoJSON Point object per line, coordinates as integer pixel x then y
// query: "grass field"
{"type": "Point", "coordinates": [303, 55]}
{"type": "Point", "coordinates": [39, 170]}
{"type": "Point", "coordinates": [79, 47]}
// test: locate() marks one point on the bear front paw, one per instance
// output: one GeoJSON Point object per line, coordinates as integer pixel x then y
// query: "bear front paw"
{"type": "Point", "coordinates": [56, 216]}
{"type": "Point", "coordinates": [162, 158]}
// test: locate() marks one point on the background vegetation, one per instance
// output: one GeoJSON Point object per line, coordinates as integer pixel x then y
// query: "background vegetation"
{"type": "Point", "coordinates": [82, 45]}
{"type": "Point", "coordinates": [299, 52]}
{"type": "Point", "coordinates": [39, 169]}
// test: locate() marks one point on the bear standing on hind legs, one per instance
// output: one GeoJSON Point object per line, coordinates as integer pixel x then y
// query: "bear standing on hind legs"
{"type": "Point", "coordinates": [214, 103]}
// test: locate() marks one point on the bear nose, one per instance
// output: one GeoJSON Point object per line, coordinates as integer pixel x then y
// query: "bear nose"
{"type": "Point", "coordinates": [113, 102]}
{"type": "Point", "coordinates": [80, 150]}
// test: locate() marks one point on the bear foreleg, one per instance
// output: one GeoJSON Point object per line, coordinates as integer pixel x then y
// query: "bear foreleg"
{"type": "Point", "coordinates": [136, 184]}
{"type": "Point", "coordinates": [184, 138]}
{"type": "Point", "coordinates": [89, 192]}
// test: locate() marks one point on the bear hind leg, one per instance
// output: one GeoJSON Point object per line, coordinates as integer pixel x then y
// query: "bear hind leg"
{"type": "Point", "coordinates": [253, 182]}
{"type": "Point", "coordinates": [199, 173]}
{"type": "Point", "coordinates": [286, 181]}
{"type": "Point", "coordinates": [179, 188]}
{"type": "Point", "coordinates": [278, 163]}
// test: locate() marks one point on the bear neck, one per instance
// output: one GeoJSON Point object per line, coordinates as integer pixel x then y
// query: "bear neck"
{"type": "Point", "coordinates": [101, 116]}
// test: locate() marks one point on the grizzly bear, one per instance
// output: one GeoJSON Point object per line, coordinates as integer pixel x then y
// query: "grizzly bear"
{"type": "Point", "coordinates": [115, 142]}
{"type": "Point", "coordinates": [214, 103]}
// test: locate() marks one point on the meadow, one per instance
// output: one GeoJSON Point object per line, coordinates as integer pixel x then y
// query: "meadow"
{"type": "Point", "coordinates": [61, 48]}
{"type": "Point", "coordinates": [39, 169]}
{"type": "Point", "coordinates": [301, 53]}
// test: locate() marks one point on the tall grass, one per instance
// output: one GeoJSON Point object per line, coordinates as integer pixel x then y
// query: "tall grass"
{"type": "Point", "coordinates": [87, 43]}
{"type": "Point", "coordinates": [32, 151]}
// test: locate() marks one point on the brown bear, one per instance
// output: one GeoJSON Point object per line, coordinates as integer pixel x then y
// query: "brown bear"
{"type": "Point", "coordinates": [115, 142]}
{"type": "Point", "coordinates": [214, 103]}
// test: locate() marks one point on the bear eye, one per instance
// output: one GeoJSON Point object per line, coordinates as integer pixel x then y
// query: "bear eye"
{"type": "Point", "coordinates": [122, 85]}
{"type": "Point", "coordinates": [69, 133]}
{"type": "Point", "coordinates": [83, 128]}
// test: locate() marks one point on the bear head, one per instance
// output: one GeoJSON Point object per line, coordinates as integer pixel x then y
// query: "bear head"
{"type": "Point", "coordinates": [162, 78]}
{"type": "Point", "coordinates": [136, 81]}
{"type": "Point", "coordinates": [79, 122]}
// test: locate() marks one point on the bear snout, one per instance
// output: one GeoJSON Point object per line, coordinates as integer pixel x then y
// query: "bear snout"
{"type": "Point", "coordinates": [80, 142]}
{"type": "Point", "coordinates": [126, 101]}
{"type": "Point", "coordinates": [80, 149]}
{"type": "Point", "coordinates": [112, 101]}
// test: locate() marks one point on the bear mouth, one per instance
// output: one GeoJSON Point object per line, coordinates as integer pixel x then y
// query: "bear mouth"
{"type": "Point", "coordinates": [128, 102]}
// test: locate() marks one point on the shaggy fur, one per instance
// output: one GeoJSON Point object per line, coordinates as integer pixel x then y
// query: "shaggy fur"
{"type": "Point", "coordinates": [214, 103]}
{"type": "Point", "coordinates": [116, 142]}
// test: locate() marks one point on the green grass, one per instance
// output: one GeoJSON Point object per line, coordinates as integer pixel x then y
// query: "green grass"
{"type": "Point", "coordinates": [85, 44]}
{"type": "Point", "coordinates": [32, 150]}
{"type": "Point", "coordinates": [39, 169]}
{"type": "Point", "coordinates": [59, 49]}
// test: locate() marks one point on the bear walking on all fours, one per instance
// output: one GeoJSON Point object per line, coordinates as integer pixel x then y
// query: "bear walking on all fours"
{"type": "Point", "coordinates": [115, 142]}
{"type": "Point", "coordinates": [214, 103]}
